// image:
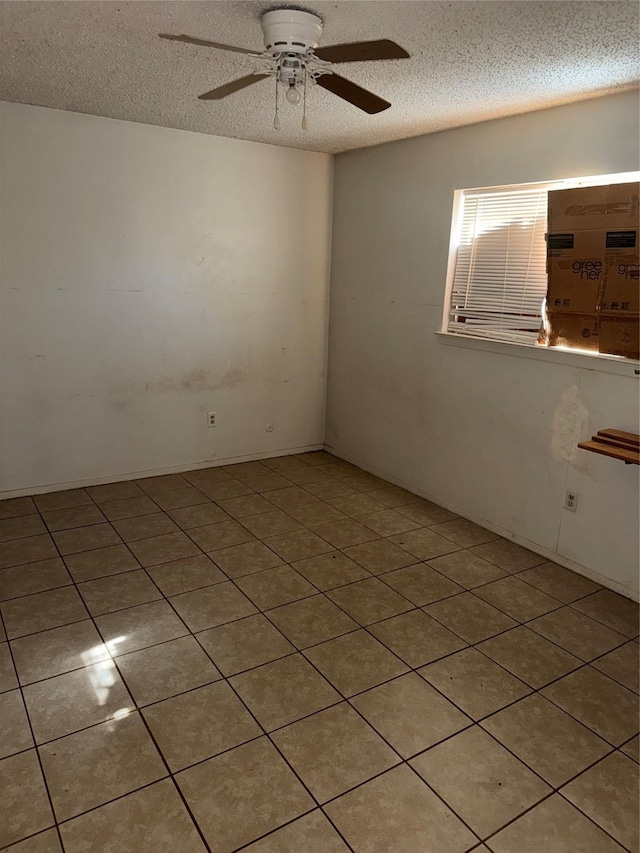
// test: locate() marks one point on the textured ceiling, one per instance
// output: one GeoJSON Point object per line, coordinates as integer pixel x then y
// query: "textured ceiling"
{"type": "Point", "coordinates": [470, 61]}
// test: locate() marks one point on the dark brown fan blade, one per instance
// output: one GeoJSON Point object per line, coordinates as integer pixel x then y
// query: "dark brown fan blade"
{"type": "Point", "coordinates": [362, 51]}
{"type": "Point", "coordinates": [205, 43]}
{"type": "Point", "coordinates": [230, 88]}
{"type": "Point", "coordinates": [349, 91]}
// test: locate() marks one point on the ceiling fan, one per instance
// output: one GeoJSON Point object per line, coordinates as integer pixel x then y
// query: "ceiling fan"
{"type": "Point", "coordinates": [293, 58]}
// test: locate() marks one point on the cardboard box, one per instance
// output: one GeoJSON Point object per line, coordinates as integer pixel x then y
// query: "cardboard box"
{"type": "Point", "coordinates": [575, 263]}
{"type": "Point", "coordinates": [619, 335]}
{"type": "Point", "coordinates": [621, 276]}
{"type": "Point", "coordinates": [577, 331]}
{"type": "Point", "coordinates": [589, 208]}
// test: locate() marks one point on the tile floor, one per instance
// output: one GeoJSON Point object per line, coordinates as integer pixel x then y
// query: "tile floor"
{"type": "Point", "coordinates": [294, 656]}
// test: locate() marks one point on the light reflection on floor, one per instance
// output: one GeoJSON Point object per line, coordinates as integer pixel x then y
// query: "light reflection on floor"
{"type": "Point", "coordinates": [101, 671]}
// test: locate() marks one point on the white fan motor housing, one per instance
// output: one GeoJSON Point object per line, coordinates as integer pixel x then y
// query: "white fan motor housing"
{"type": "Point", "coordinates": [290, 31]}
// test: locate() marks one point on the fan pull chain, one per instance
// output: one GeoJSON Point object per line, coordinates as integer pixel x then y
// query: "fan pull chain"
{"type": "Point", "coordinates": [276, 120]}
{"type": "Point", "coordinates": [304, 100]}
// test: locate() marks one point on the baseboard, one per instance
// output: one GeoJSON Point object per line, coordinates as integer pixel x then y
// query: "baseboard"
{"type": "Point", "coordinates": [552, 556]}
{"type": "Point", "coordinates": [155, 472]}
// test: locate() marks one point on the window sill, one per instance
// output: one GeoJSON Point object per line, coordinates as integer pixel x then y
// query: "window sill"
{"type": "Point", "coordinates": [583, 360]}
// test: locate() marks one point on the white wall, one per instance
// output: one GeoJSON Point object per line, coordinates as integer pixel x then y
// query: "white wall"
{"type": "Point", "coordinates": [481, 430]}
{"type": "Point", "coordinates": [150, 276]}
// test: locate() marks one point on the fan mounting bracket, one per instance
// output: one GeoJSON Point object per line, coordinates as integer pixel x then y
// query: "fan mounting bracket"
{"type": "Point", "coordinates": [290, 31]}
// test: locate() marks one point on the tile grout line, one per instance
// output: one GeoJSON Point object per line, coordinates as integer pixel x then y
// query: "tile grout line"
{"type": "Point", "coordinates": [243, 703]}
{"type": "Point", "coordinates": [418, 607]}
{"type": "Point", "coordinates": [473, 722]}
{"type": "Point", "coordinates": [420, 562]}
{"type": "Point", "coordinates": [360, 627]}
{"type": "Point", "coordinates": [141, 717]}
{"type": "Point", "coordinates": [365, 627]}
{"type": "Point", "coordinates": [263, 728]}
{"type": "Point", "coordinates": [558, 791]}
{"type": "Point", "coordinates": [386, 538]}
{"type": "Point", "coordinates": [414, 607]}
{"type": "Point", "coordinates": [301, 651]}
{"type": "Point", "coordinates": [268, 734]}
{"type": "Point", "coordinates": [368, 724]}
{"type": "Point", "coordinates": [34, 747]}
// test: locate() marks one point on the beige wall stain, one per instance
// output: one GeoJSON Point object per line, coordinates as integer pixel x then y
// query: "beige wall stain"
{"type": "Point", "coordinates": [570, 419]}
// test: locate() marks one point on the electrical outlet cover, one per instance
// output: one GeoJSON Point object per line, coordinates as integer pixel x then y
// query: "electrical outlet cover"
{"type": "Point", "coordinates": [571, 501]}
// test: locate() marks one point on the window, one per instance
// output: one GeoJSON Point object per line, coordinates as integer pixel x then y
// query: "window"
{"type": "Point", "coordinates": [497, 280]}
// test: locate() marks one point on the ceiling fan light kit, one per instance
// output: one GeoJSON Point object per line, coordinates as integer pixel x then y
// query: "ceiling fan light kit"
{"type": "Point", "coordinates": [292, 56]}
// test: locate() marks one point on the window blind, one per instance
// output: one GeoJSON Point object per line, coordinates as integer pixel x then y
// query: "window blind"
{"type": "Point", "coordinates": [500, 278]}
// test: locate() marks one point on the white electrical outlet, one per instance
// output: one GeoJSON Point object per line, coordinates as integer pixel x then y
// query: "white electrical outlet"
{"type": "Point", "coordinates": [211, 419]}
{"type": "Point", "coordinates": [571, 501]}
